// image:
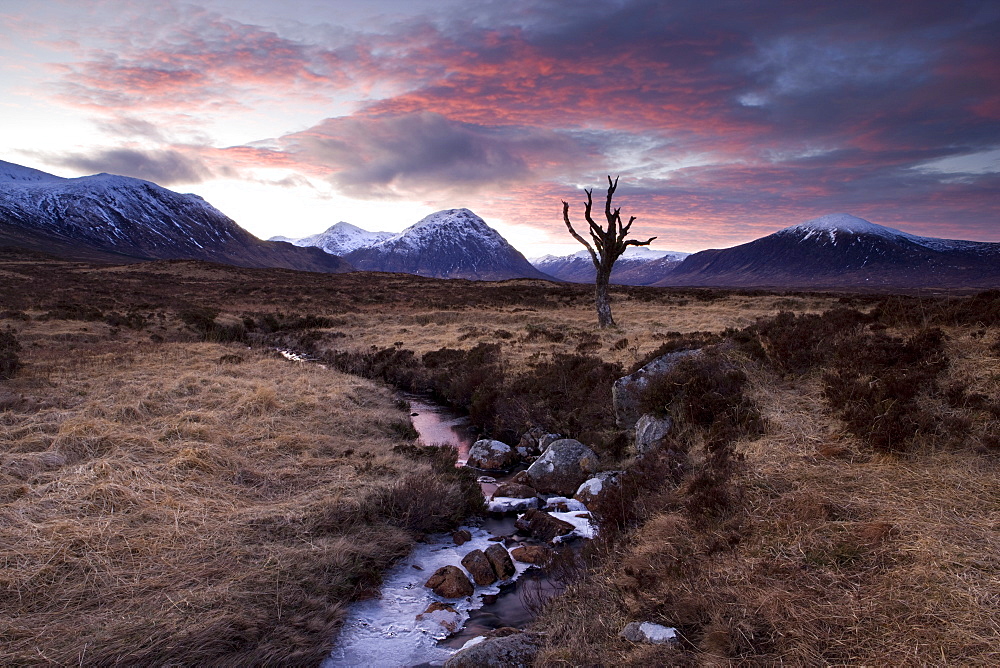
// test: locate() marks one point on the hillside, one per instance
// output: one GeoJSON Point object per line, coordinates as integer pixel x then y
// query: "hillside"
{"type": "Point", "coordinates": [115, 218]}
{"type": "Point", "coordinates": [843, 251]}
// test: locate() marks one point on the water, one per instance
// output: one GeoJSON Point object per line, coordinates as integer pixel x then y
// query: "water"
{"type": "Point", "coordinates": [386, 631]}
{"type": "Point", "coordinates": [438, 425]}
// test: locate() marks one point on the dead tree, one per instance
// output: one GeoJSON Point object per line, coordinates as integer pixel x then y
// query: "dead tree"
{"type": "Point", "coordinates": [609, 244]}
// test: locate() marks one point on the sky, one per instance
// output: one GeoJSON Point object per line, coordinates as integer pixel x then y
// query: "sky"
{"type": "Point", "coordinates": [725, 120]}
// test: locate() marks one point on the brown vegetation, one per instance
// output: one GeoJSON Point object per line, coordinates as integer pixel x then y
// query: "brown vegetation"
{"type": "Point", "coordinates": [168, 494]}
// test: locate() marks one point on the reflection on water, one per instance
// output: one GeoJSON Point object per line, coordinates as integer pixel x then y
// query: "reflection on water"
{"type": "Point", "coordinates": [438, 425]}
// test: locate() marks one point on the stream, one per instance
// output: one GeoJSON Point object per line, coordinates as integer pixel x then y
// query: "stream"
{"type": "Point", "coordinates": [387, 632]}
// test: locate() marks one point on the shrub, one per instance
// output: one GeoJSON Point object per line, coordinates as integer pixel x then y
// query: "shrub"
{"type": "Point", "coordinates": [10, 362]}
{"type": "Point", "coordinates": [705, 392]}
{"type": "Point", "coordinates": [876, 380]}
{"type": "Point", "coordinates": [798, 343]}
{"type": "Point", "coordinates": [65, 310]}
{"type": "Point", "coordinates": [202, 320]}
{"type": "Point", "coordinates": [570, 394]}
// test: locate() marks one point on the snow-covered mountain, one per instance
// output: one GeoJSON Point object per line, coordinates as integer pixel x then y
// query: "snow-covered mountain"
{"type": "Point", "coordinates": [117, 218]}
{"type": "Point", "coordinates": [638, 265]}
{"type": "Point", "coordinates": [339, 239]}
{"type": "Point", "coordinates": [454, 243]}
{"type": "Point", "coordinates": [843, 251]}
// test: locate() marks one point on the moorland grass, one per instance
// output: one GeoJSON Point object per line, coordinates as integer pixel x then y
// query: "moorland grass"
{"type": "Point", "coordinates": [192, 503]}
{"type": "Point", "coordinates": [211, 493]}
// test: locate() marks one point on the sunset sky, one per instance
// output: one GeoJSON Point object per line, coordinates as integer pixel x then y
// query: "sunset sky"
{"type": "Point", "coordinates": [726, 120]}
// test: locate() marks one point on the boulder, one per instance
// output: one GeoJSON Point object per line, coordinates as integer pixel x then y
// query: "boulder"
{"type": "Point", "coordinates": [626, 391]}
{"type": "Point", "coordinates": [562, 467]}
{"type": "Point", "coordinates": [491, 455]}
{"type": "Point", "coordinates": [593, 488]}
{"type": "Point", "coordinates": [461, 537]}
{"type": "Point", "coordinates": [450, 582]}
{"type": "Point", "coordinates": [500, 560]}
{"type": "Point", "coordinates": [650, 633]}
{"type": "Point", "coordinates": [513, 490]}
{"type": "Point", "coordinates": [480, 567]}
{"type": "Point", "coordinates": [542, 525]}
{"type": "Point", "coordinates": [521, 478]}
{"type": "Point", "coordinates": [650, 431]}
{"type": "Point", "coordinates": [517, 650]}
{"type": "Point", "coordinates": [539, 555]}
{"type": "Point", "coordinates": [545, 440]}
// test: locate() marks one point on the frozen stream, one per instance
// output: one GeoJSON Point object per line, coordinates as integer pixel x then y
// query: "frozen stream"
{"type": "Point", "coordinates": [387, 632]}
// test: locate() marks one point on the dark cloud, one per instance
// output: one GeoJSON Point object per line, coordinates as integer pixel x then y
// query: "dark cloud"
{"type": "Point", "coordinates": [730, 111]}
{"type": "Point", "coordinates": [421, 154]}
{"type": "Point", "coordinates": [164, 167]}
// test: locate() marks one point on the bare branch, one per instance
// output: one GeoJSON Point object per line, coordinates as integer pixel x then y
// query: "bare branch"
{"type": "Point", "coordinates": [587, 213]}
{"type": "Point", "coordinates": [633, 242]}
{"type": "Point", "coordinates": [569, 226]}
{"type": "Point", "coordinates": [625, 229]}
{"type": "Point", "coordinates": [612, 186]}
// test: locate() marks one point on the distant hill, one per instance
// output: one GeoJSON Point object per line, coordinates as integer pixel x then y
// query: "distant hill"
{"type": "Point", "coordinates": [637, 266]}
{"type": "Point", "coordinates": [454, 243]}
{"type": "Point", "coordinates": [843, 251]}
{"type": "Point", "coordinates": [118, 219]}
{"type": "Point", "coordinates": [339, 239]}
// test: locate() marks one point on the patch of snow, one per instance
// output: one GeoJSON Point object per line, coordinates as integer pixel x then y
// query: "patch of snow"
{"type": "Point", "coordinates": [572, 505]}
{"type": "Point", "coordinates": [592, 487]}
{"type": "Point", "coordinates": [339, 239]}
{"type": "Point", "coordinates": [472, 642]}
{"type": "Point", "coordinates": [11, 172]}
{"type": "Point", "coordinates": [632, 253]}
{"type": "Point", "coordinates": [452, 225]}
{"type": "Point", "coordinates": [506, 504]}
{"type": "Point", "coordinates": [832, 225]}
{"type": "Point", "coordinates": [657, 633]}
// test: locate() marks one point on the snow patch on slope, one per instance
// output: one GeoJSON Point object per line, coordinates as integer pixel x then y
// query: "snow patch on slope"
{"type": "Point", "coordinates": [637, 253]}
{"type": "Point", "coordinates": [11, 172]}
{"type": "Point", "coordinates": [339, 239]}
{"type": "Point", "coordinates": [450, 225]}
{"type": "Point", "coordinates": [843, 224]}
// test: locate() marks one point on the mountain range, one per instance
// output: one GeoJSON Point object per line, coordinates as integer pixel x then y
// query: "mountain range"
{"type": "Point", "coordinates": [339, 239]}
{"type": "Point", "coordinates": [454, 243]}
{"type": "Point", "coordinates": [108, 218]}
{"type": "Point", "coordinates": [637, 266]}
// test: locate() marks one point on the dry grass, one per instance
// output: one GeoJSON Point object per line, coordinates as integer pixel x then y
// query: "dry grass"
{"type": "Point", "coordinates": [834, 556]}
{"type": "Point", "coordinates": [160, 507]}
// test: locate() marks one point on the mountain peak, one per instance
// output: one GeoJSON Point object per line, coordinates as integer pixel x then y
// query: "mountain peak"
{"type": "Point", "coordinates": [462, 219]}
{"type": "Point", "coordinates": [832, 224]}
{"type": "Point", "coordinates": [339, 239]}
{"type": "Point", "coordinates": [453, 243]}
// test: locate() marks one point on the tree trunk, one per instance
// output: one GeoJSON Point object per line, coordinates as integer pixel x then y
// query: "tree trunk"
{"type": "Point", "coordinates": [604, 318]}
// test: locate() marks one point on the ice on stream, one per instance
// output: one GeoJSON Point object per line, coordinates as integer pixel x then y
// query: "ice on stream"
{"type": "Point", "coordinates": [506, 504]}
{"type": "Point", "coordinates": [576, 514]}
{"type": "Point", "coordinates": [385, 631]}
